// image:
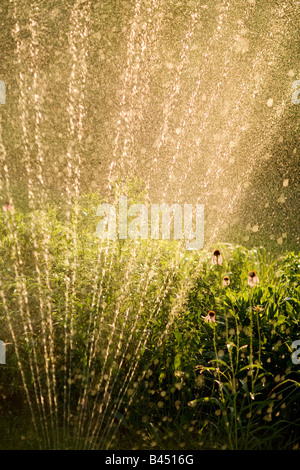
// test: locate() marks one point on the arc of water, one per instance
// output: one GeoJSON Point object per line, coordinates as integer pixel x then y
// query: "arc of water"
{"type": "Point", "coordinates": [24, 105]}
{"type": "Point", "coordinates": [131, 370]}
{"type": "Point", "coordinates": [129, 270]}
{"type": "Point", "coordinates": [12, 233]}
{"type": "Point", "coordinates": [110, 384]}
{"type": "Point", "coordinates": [127, 94]}
{"type": "Point", "coordinates": [137, 70]}
{"type": "Point", "coordinates": [33, 49]}
{"type": "Point", "coordinates": [180, 301]}
{"type": "Point", "coordinates": [174, 91]}
{"type": "Point", "coordinates": [95, 320]}
{"type": "Point", "coordinates": [111, 337]}
{"type": "Point", "coordinates": [149, 44]}
{"type": "Point", "coordinates": [176, 309]}
{"type": "Point", "coordinates": [142, 75]}
{"type": "Point", "coordinates": [49, 355]}
{"type": "Point", "coordinates": [78, 34]}
{"type": "Point", "coordinates": [126, 78]}
{"type": "Point", "coordinates": [192, 102]}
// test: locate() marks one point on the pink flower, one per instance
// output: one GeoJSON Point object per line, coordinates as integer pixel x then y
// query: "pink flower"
{"type": "Point", "coordinates": [252, 278]}
{"type": "Point", "coordinates": [7, 206]}
{"type": "Point", "coordinates": [211, 316]}
{"type": "Point", "coordinates": [226, 281]}
{"type": "Point", "coordinates": [217, 257]}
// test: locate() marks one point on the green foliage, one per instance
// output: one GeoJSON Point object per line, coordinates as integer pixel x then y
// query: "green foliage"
{"type": "Point", "coordinates": [109, 346]}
